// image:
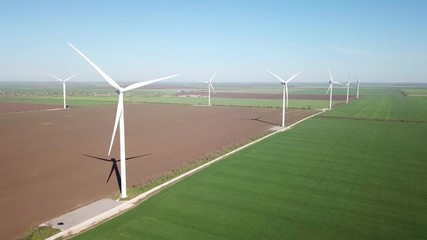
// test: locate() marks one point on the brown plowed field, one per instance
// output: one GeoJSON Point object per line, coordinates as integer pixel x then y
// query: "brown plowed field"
{"type": "Point", "coordinates": [268, 95]}
{"type": "Point", "coordinates": [44, 171]}
{"type": "Point", "coordinates": [20, 107]}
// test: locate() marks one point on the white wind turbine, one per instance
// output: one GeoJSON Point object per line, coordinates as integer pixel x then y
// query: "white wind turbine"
{"type": "Point", "coordinates": [119, 115]}
{"type": "Point", "coordinates": [285, 93]}
{"type": "Point", "coordinates": [358, 83]}
{"type": "Point", "coordinates": [347, 84]}
{"type": "Point", "coordinates": [209, 87]}
{"type": "Point", "coordinates": [63, 86]}
{"type": "Point", "coordinates": [331, 82]}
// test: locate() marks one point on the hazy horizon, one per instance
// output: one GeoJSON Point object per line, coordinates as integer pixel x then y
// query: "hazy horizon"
{"type": "Point", "coordinates": [375, 41]}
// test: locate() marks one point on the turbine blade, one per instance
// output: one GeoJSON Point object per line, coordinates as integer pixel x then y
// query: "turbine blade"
{"type": "Point", "coordinates": [294, 76]}
{"type": "Point", "coordinates": [102, 73]}
{"type": "Point", "coordinates": [141, 84]}
{"type": "Point", "coordinates": [330, 86]}
{"type": "Point", "coordinates": [281, 80]}
{"type": "Point", "coordinates": [211, 86]}
{"type": "Point", "coordinates": [56, 78]}
{"type": "Point", "coordinates": [337, 83]}
{"type": "Point", "coordinates": [70, 77]}
{"type": "Point", "coordinates": [210, 80]}
{"type": "Point", "coordinates": [116, 123]}
{"type": "Point", "coordinates": [330, 75]}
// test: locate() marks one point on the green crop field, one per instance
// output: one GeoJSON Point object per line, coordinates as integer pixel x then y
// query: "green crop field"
{"type": "Point", "coordinates": [415, 91]}
{"type": "Point", "coordinates": [294, 103]}
{"type": "Point", "coordinates": [71, 100]}
{"type": "Point", "coordinates": [327, 178]}
{"type": "Point", "coordinates": [384, 104]}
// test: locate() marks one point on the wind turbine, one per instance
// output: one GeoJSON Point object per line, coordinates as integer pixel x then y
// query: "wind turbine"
{"type": "Point", "coordinates": [63, 86]}
{"type": "Point", "coordinates": [331, 82]}
{"type": "Point", "coordinates": [119, 115]}
{"type": "Point", "coordinates": [285, 93]}
{"type": "Point", "coordinates": [209, 87]}
{"type": "Point", "coordinates": [347, 84]}
{"type": "Point", "coordinates": [358, 83]}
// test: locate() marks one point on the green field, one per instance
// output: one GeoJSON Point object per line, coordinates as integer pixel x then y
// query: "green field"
{"type": "Point", "coordinates": [385, 104]}
{"type": "Point", "coordinates": [71, 100]}
{"type": "Point", "coordinates": [328, 178]}
{"type": "Point", "coordinates": [415, 91]}
{"type": "Point", "coordinates": [312, 104]}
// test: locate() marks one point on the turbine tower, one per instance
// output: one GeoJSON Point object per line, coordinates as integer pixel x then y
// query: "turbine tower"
{"type": "Point", "coordinates": [209, 88]}
{"type": "Point", "coordinates": [331, 82]}
{"type": "Point", "coordinates": [347, 84]}
{"type": "Point", "coordinates": [63, 86]}
{"type": "Point", "coordinates": [358, 83]}
{"type": "Point", "coordinates": [119, 115]}
{"type": "Point", "coordinates": [285, 93]}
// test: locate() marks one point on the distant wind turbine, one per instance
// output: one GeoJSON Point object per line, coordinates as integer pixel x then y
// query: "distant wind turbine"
{"type": "Point", "coordinates": [358, 83]}
{"type": "Point", "coordinates": [331, 82]}
{"type": "Point", "coordinates": [285, 93]}
{"type": "Point", "coordinates": [347, 84]}
{"type": "Point", "coordinates": [63, 86]}
{"type": "Point", "coordinates": [119, 115]}
{"type": "Point", "coordinates": [209, 87]}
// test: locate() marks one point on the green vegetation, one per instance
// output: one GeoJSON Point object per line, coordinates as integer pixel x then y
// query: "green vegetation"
{"type": "Point", "coordinates": [135, 190]}
{"type": "Point", "coordinates": [327, 178]}
{"type": "Point", "coordinates": [39, 233]}
{"type": "Point", "coordinates": [71, 100]}
{"type": "Point", "coordinates": [415, 91]}
{"type": "Point", "coordinates": [295, 103]}
{"type": "Point", "coordinates": [383, 104]}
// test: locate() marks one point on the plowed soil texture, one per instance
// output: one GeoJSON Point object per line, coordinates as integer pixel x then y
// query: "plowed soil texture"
{"type": "Point", "coordinates": [6, 107]}
{"type": "Point", "coordinates": [56, 161]}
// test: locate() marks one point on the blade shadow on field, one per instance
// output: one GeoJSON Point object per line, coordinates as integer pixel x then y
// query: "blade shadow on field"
{"type": "Point", "coordinates": [114, 167]}
{"type": "Point", "coordinates": [258, 119]}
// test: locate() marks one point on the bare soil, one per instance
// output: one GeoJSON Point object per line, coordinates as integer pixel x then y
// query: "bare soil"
{"type": "Point", "coordinates": [6, 107]}
{"type": "Point", "coordinates": [45, 171]}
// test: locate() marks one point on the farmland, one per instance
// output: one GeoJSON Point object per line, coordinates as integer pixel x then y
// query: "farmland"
{"type": "Point", "coordinates": [47, 156]}
{"type": "Point", "coordinates": [92, 94]}
{"type": "Point", "coordinates": [358, 172]}
{"type": "Point", "coordinates": [384, 104]}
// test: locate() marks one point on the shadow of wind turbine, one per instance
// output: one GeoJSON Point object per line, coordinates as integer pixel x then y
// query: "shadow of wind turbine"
{"type": "Point", "coordinates": [114, 167]}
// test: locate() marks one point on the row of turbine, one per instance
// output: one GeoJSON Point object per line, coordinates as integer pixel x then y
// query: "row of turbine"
{"type": "Point", "coordinates": [119, 120]}
{"type": "Point", "coordinates": [285, 102]}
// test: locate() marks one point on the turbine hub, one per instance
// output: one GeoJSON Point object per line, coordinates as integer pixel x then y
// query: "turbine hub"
{"type": "Point", "coordinates": [118, 91]}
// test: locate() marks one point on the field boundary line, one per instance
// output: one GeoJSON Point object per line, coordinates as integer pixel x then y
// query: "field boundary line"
{"type": "Point", "coordinates": [114, 212]}
{"type": "Point", "coordinates": [375, 119]}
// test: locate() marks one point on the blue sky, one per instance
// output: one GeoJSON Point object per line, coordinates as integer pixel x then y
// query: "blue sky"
{"type": "Point", "coordinates": [240, 40]}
